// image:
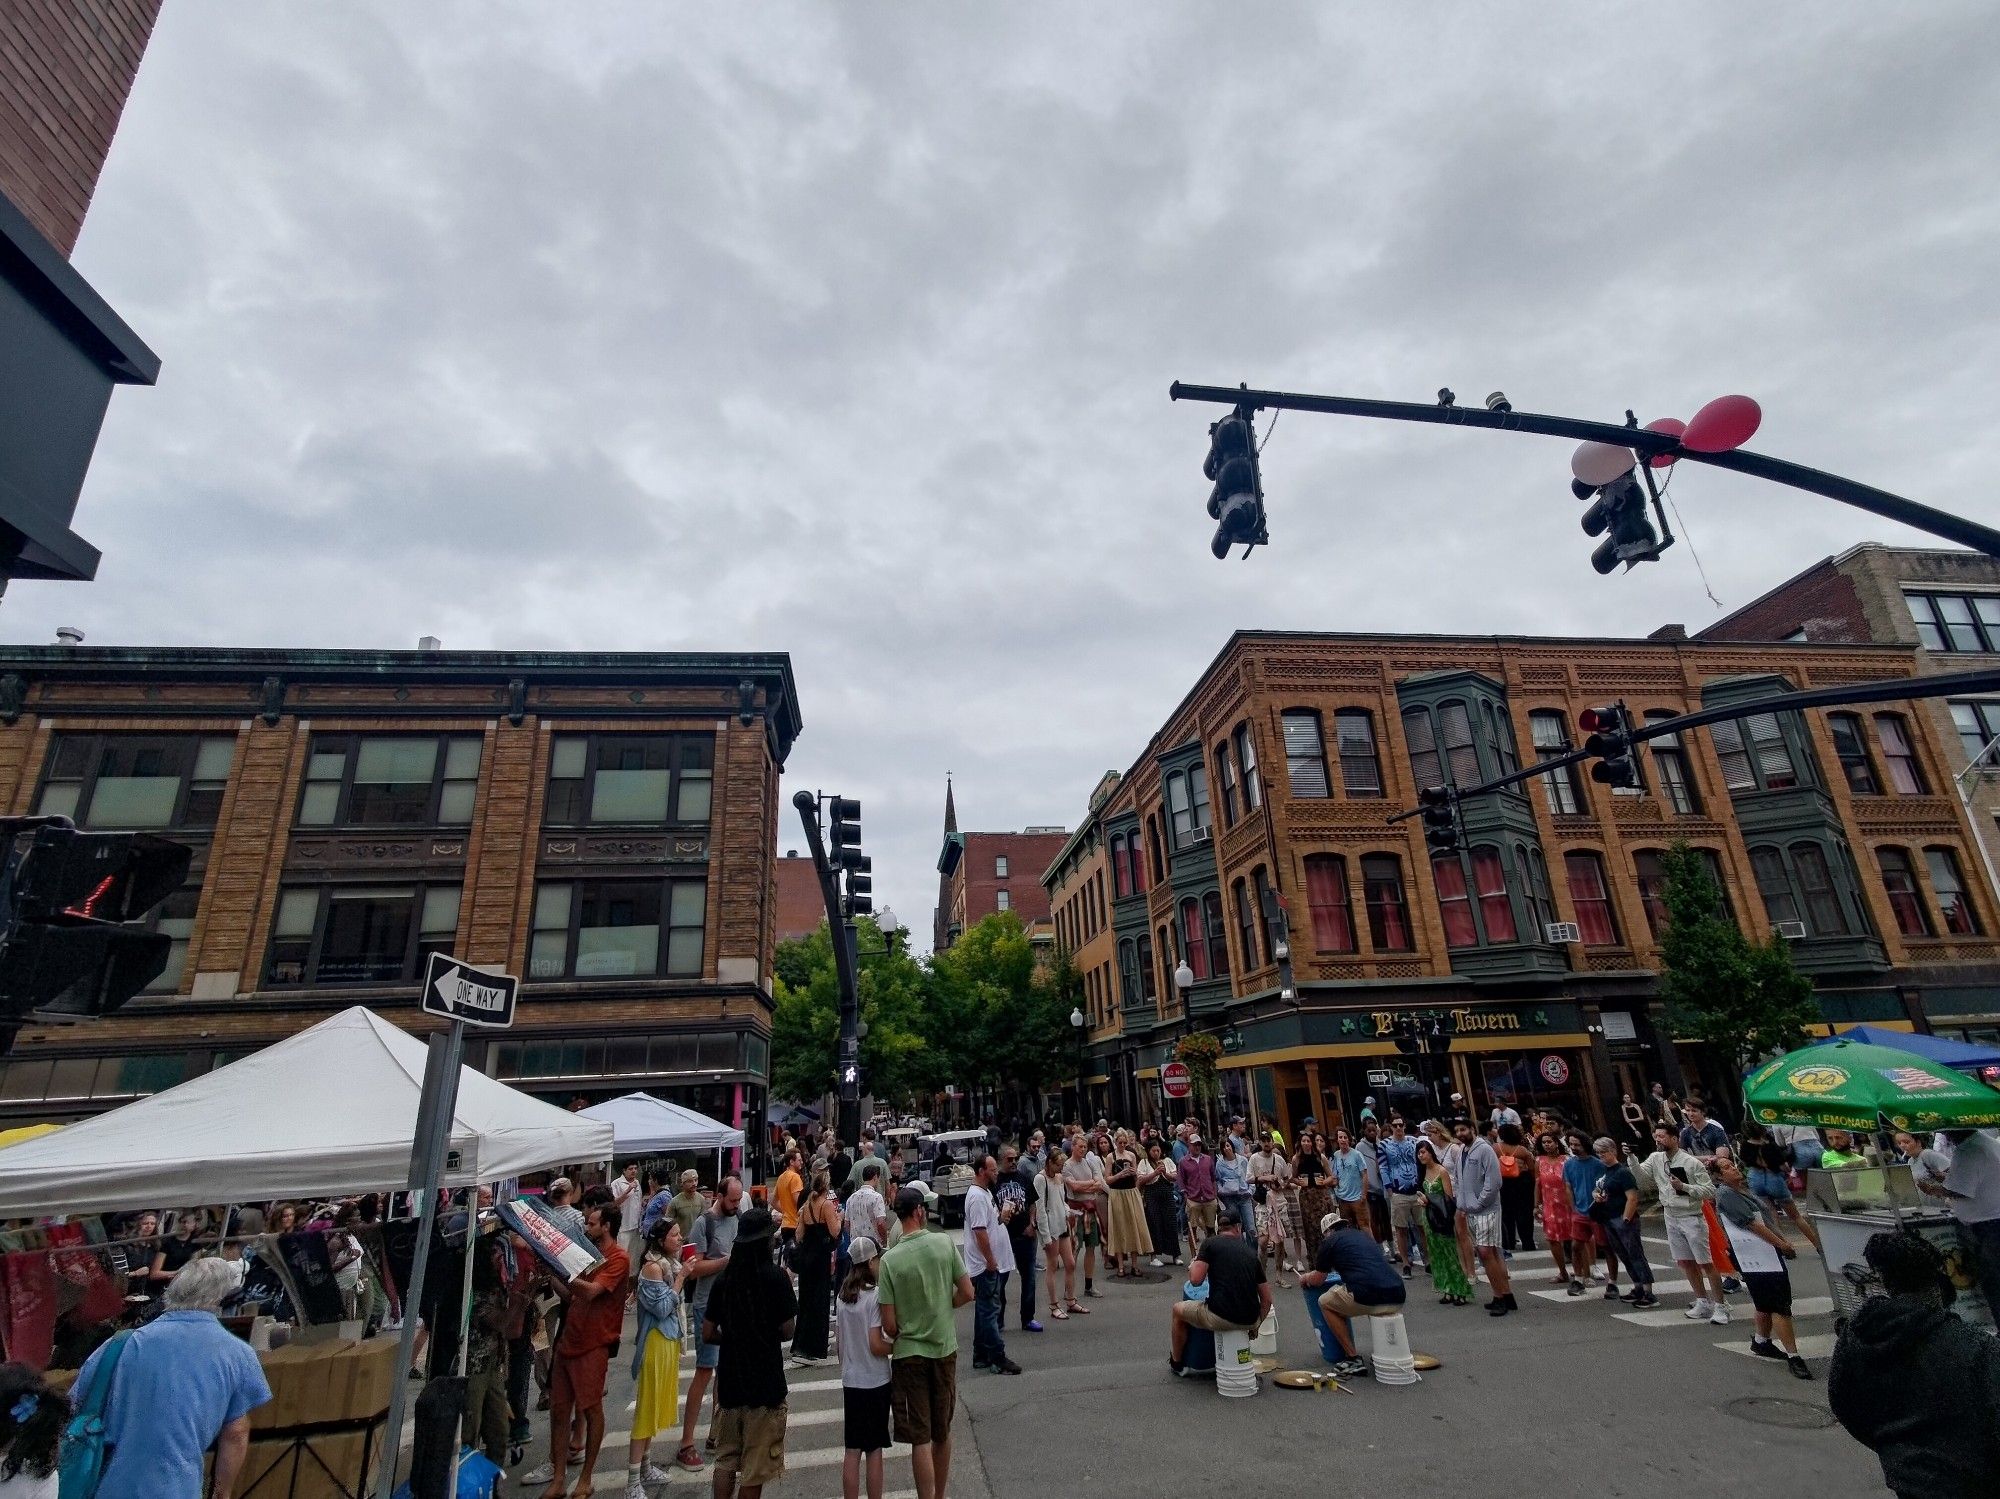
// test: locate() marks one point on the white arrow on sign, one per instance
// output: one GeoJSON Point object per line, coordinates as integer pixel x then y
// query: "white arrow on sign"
{"type": "Point", "coordinates": [459, 992]}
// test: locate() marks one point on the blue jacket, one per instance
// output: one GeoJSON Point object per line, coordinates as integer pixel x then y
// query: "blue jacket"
{"type": "Point", "coordinates": [659, 1306]}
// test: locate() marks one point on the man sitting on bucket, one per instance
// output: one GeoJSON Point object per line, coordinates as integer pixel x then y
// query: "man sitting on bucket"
{"type": "Point", "coordinates": [1239, 1298]}
{"type": "Point", "coordinates": [1358, 1283]}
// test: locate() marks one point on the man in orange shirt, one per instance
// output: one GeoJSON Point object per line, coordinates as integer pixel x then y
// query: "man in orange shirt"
{"type": "Point", "coordinates": [593, 1323]}
{"type": "Point", "coordinates": [785, 1192]}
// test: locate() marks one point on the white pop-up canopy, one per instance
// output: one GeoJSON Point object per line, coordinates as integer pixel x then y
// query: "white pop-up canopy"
{"type": "Point", "coordinates": [645, 1124]}
{"type": "Point", "coordinates": [328, 1112]}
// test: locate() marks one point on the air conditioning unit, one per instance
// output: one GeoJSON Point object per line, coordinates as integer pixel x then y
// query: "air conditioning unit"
{"type": "Point", "coordinates": [1562, 931]}
{"type": "Point", "coordinates": [1201, 835]}
{"type": "Point", "coordinates": [1795, 930]}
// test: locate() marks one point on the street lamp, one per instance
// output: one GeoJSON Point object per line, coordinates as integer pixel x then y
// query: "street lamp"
{"type": "Point", "coordinates": [1183, 981]}
{"type": "Point", "coordinates": [1076, 1029]}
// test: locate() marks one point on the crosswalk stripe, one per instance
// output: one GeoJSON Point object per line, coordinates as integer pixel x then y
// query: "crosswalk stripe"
{"type": "Point", "coordinates": [1804, 1306]}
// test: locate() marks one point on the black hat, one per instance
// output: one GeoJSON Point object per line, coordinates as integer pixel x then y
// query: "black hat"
{"type": "Point", "coordinates": [755, 1224]}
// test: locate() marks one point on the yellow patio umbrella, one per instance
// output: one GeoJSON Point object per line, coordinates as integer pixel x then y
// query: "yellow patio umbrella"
{"type": "Point", "coordinates": [25, 1132]}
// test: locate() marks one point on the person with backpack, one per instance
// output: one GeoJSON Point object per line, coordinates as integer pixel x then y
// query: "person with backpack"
{"type": "Point", "coordinates": [151, 1402]}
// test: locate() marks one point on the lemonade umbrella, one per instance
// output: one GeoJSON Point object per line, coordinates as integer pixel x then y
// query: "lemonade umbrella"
{"type": "Point", "coordinates": [1852, 1085]}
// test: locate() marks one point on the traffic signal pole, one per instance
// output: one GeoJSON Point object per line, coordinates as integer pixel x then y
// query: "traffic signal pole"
{"type": "Point", "coordinates": [846, 970]}
{"type": "Point", "coordinates": [1642, 441]}
{"type": "Point", "coordinates": [1901, 689]}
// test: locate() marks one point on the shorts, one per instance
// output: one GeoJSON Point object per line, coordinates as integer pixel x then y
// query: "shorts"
{"type": "Point", "coordinates": [1086, 1230]}
{"type": "Point", "coordinates": [1197, 1314]}
{"type": "Point", "coordinates": [1484, 1228]}
{"type": "Point", "coordinates": [1202, 1215]}
{"type": "Point", "coordinates": [1770, 1185]}
{"type": "Point", "coordinates": [1770, 1291]}
{"type": "Point", "coordinates": [706, 1354]}
{"type": "Point", "coordinates": [865, 1418]}
{"type": "Point", "coordinates": [750, 1442]}
{"type": "Point", "coordinates": [579, 1377]}
{"type": "Point", "coordinates": [924, 1395]}
{"type": "Point", "coordinates": [1687, 1238]}
{"type": "Point", "coordinates": [1584, 1229]}
{"type": "Point", "coordinates": [1340, 1300]}
{"type": "Point", "coordinates": [1355, 1212]}
{"type": "Point", "coordinates": [1406, 1210]}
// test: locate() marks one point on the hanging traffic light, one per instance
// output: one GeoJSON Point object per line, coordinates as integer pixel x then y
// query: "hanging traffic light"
{"type": "Point", "coordinates": [69, 906]}
{"type": "Point", "coordinates": [1443, 830]}
{"type": "Point", "coordinates": [843, 840]}
{"type": "Point", "coordinates": [860, 898]}
{"type": "Point", "coordinates": [1608, 736]}
{"type": "Point", "coordinates": [1237, 502]}
{"type": "Point", "coordinates": [1620, 509]}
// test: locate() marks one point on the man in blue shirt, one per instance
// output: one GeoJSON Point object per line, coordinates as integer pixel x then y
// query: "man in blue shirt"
{"type": "Point", "coordinates": [1581, 1174]}
{"type": "Point", "coordinates": [1396, 1159]}
{"type": "Point", "coordinates": [1357, 1282]}
{"type": "Point", "coordinates": [1350, 1180]}
{"type": "Point", "coordinates": [183, 1383]}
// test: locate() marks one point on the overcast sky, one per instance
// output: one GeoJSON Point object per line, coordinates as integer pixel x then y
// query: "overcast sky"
{"type": "Point", "coordinates": [846, 330]}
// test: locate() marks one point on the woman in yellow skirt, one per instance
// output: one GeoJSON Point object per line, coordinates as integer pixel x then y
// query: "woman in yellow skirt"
{"type": "Point", "coordinates": [656, 1355]}
{"type": "Point", "coordinates": [1125, 1235]}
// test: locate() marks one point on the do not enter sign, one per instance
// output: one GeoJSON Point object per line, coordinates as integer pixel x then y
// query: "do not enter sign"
{"type": "Point", "coordinates": [1175, 1080]}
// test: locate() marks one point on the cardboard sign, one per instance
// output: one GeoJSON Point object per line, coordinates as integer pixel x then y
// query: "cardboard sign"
{"type": "Point", "coordinates": [563, 1253]}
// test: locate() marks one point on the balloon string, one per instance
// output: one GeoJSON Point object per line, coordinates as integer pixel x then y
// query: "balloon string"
{"type": "Point", "coordinates": [1686, 536]}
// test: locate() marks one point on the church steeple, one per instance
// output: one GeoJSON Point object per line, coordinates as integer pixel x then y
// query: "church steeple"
{"type": "Point", "coordinates": [950, 808]}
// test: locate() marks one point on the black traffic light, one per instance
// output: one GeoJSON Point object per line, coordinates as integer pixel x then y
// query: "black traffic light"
{"type": "Point", "coordinates": [1443, 832]}
{"type": "Point", "coordinates": [1620, 509]}
{"type": "Point", "coordinates": [860, 898]}
{"type": "Point", "coordinates": [843, 832]}
{"type": "Point", "coordinates": [1608, 734]}
{"type": "Point", "coordinates": [1237, 502]}
{"type": "Point", "coordinates": [69, 904]}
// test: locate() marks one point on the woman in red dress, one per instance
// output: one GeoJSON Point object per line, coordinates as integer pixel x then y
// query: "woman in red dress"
{"type": "Point", "coordinates": [1556, 1211]}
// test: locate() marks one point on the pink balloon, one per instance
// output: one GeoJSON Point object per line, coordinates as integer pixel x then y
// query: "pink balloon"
{"type": "Point", "coordinates": [1598, 463]}
{"type": "Point", "coordinates": [1724, 424]}
{"type": "Point", "coordinates": [1673, 426]}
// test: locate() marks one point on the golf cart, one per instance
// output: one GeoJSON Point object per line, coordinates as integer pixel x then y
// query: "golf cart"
{"type": "Point", "coordinates": [945, 1161]}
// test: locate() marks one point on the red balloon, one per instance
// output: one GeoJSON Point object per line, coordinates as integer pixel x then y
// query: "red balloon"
{"type": "Point", "coordinates": [1673, 426]}
{"type": "Point", "coordinates": [1725, 423]}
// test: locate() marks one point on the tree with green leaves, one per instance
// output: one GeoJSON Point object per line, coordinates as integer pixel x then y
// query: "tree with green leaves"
{"type": "Point", "coordinates": [896, 1056]}
{"type": "Point", "coordinates": [1745, 1000]}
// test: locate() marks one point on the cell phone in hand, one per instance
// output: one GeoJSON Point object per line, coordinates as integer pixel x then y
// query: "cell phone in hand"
{"type": "Point", "coordinates": [1679, 1174]}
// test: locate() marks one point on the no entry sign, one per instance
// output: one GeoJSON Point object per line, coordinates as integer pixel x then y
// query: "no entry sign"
{"type": "Point", "coordinates": [1175, 1080]}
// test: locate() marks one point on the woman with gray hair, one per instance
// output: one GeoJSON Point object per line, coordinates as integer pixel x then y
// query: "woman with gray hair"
{"type": "Point", "coordinates": [182, 1384]}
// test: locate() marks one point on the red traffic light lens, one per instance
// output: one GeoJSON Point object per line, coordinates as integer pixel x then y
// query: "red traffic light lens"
{"type": "Point", "coordinates": [1597, 720]}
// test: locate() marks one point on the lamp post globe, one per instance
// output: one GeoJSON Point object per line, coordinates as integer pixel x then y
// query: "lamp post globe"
{"type": "Point", "coordinates": [1076, 1018]}
{"type": "Point", "coordinates": [1183, 977]}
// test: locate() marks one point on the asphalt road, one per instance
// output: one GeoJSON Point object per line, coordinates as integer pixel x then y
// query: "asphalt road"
{"type": "Point", "coordinates": [1567, 1397]}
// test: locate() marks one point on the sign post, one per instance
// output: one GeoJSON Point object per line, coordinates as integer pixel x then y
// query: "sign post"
{"type": "Point", "coordinates": [464, 996]}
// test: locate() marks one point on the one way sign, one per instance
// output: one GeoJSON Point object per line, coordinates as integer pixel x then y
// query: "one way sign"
{"type": "Point", "coordinates": [458, 991]}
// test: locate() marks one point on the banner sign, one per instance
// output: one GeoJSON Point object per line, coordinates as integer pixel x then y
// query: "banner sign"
{"type": "Point", "coordinates": [568, 1256]}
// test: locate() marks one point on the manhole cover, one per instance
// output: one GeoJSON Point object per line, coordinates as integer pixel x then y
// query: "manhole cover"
{"type": "Point", "coordinates": [1799, 1415]}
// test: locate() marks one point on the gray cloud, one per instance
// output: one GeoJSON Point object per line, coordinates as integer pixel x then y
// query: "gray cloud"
{"type": "Point", "coordinates": [846, 330]}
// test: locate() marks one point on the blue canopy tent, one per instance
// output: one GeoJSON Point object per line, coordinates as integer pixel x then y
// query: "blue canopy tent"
{"type": "Point", "coordinates": [1965, 1056]}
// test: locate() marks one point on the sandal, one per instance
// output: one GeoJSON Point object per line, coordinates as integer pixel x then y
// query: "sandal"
{"type": "Point", "coordinates": [1060, 1314]}
{"type": "Point", "coordinates": [1079, 1308]}
{"type": "Point", "coordinates": [688, 1458]}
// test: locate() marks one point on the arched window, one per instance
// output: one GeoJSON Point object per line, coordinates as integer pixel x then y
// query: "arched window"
{"type": "Point", "coordinates": [1652, 878]}
{"type": "Point", "coordinates": [1135, 861]}
{"type": "Point", "coordinates": [1147, 989]}
{"type": "Point", "coordinates": [1454, 901]}
{"type": "Point", "coordinates": [1218, 938]}
{"type": "Point", "coordinates": [1180, 815]}
{"type": "Point", "coordinates": [1194, 938]}
{"type": "Point", "coordinates": [1563, 788]}
{"type": "Point", "coordinates": [1305, 753]}
{"type": "Point", "coordinates": [1326, 896]}
{"type": "Point", "coordinates": [1388, 909]}
{"type": "Point", "coordinates": [1246, 925]}
{"type": "Point", "coordinates": [1128, 973]}
{"type": "Point", "coordinates": [1153, 843]}
{"type": "Point", "coordinates": [1197, 777]}
{"type": "Point", "coordinates": [1120, 875]}
{"type": "Point", "coordinates": [1774, 883]}
{"type": "Point", "coordinates": [1906, 900]}
{"type": "Point", "coordinates": [1590, 897]}
{"type": "Point", "coordinates": [1954, 902]}
{"type": "Point", "coordinates": [1246, 757]}
{"type": "Point", "coordinates": [1225, 782]}
{"type": "Point", "coordinates": [1496, 907]}
{"type": "Point", "coordinates": [1260, 889]}
{"type": "Point", "coordinates": [1906, 776]}
{"type": "Point", "coordinates": [1671, 762]}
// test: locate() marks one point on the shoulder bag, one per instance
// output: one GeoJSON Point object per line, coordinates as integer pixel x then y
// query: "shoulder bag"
{"type": "Point", "coordinates": [80, 1461]}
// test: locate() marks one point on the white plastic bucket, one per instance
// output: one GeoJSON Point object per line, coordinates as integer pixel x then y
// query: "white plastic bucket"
{"type": "Point", "coordinates": [1265, 1344]}
{"type": "Point", "coordinates": [1235, 1365]}
{"type": "Point", "coordinates": [1393, 1363]}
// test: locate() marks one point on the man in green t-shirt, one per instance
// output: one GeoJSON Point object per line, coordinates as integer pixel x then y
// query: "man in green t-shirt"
{"type": "Point", "coordinates": [923, 1281]}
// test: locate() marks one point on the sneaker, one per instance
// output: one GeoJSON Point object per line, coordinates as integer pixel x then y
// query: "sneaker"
{"type": "Point", "coordinates": [1351, 1368]}
{"type": "Point", "coordinates": [1702, 1309]}
{"type": "Point", "coordinates": [1031, 1326]}
{"type": "Point", "coordinates": [1598, 1272]}
{"type": "Point", "coordinates": [1636, 1295]}
{"type": "Point", "coordinates": [1500, 1306]}
{"type": "Point", "coordinates": [1156, 1262]}
{"type": "Point", "coordinates": [635, 1489]}
{"type": "Point", "coordinates": [1798, 1367]}
{"type": "Point", "coordinates": [1731, 1285]}
{"type": "Point", "coordinates": [1765, 1348]}
{"type": "Point", "coordinates": [1176, 1368]}
{"type": "Point", "coordinates": [1721, 1317]}
{"type": "Point", "coordinates": [1576, 1288]}
{"type": "Point", "coordinates": [540, 1474]}
{"type": "Point", "coordinates": [1646, 1302]}
{"type": "Point", "coordinates": [1611, 1293]}
{"type": "Point", "coordinates": [1407, 1272]}
{"type": "Point", "coordinates": [1005, 1366]}
{"type": "Point", "coordinates": [652, 1473]}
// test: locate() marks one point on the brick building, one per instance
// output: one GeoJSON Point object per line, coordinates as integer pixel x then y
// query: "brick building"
{"type": "Point", "coordinates": [795, 888]}
{"type": "Point", "coordinates": [1946, 606]}
{"type": "Point", "coordinates": [65, 72]}
{"type": "Point", "coordinates": [1534, 947]}
{"type": "Point", "coordinates": [600, 825]}
{"type": "Point", "coordinates": [1077, 892]}
{"type": "Point", "coordinates": [981, 873]}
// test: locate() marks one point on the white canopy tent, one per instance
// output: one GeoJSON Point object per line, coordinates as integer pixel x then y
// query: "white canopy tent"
{"type": "Point", "coordinates": [645, 1125]}
{"type": "Point", "coordinates": [328, 1112]}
